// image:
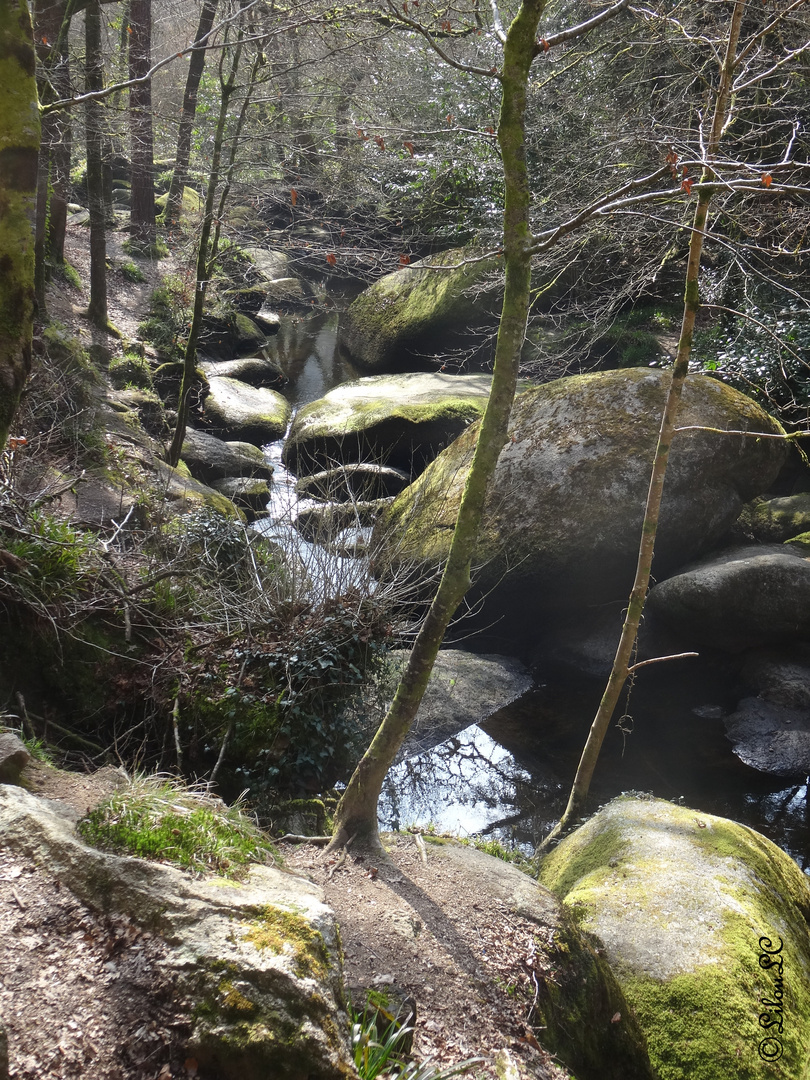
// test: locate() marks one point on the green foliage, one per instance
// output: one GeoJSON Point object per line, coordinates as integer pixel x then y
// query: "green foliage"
{"type": "Point", "coordinates": [59, 560]}
{"type": "Point", "coordinates": [376, 1054]}
{"type": "Point", "coordinates": [634, 339]}
{"type": "Point", "coordinates": [132, 272]}
{"type": "Point", "coordinates": [766, 355]}
{"type": "Point", "coordinates": [156, 817]}
{"type": "Point", "coordinates": [131, 369]}
{"type": "Point", "coordinates": [169, 314]}
{"type": "Point", "coordinates": [158, 250]}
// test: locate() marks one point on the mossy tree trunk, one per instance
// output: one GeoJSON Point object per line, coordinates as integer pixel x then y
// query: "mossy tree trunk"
{"type": "Point", "coordinates": [183, 152]}
{"type": "Point", "coordinates": [638, 596]}
{"type": "Point", "coordinates": [357, 811]}
{"type": "Point", "coordinates": [19, 147]}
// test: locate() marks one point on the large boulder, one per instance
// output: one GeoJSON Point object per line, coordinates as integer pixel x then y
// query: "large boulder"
{"type": "Point", "coordinates": [705, 925]}
{"type": "Point", "coordinates": [748, 596]}
{"type": "Point", "coordinates": [250, 413]}
{"type": "Point", "coordinates": [417, 312]}
{"type": "Point", "coordinates": [209, 458]}
{"type": "Point", "coordinates": [397, 420]}
{"type": "Point", "coordinates": [562, 520]}
{"type": "Point", "coordinates": [774, 520]}
{"type": "Point", "coordinates": [256, 370]}
{"type": "Point", "coordinates": [255, 965]}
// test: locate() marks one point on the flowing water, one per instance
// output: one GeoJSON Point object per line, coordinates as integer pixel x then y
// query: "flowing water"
{"type": "Point", "coordinates": [510, 778]}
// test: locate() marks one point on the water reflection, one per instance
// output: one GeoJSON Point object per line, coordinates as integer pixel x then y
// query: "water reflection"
{"type": "Point", "coordinates": [510, 778]}
{"type": "Point", "coordinates": [306, 347]}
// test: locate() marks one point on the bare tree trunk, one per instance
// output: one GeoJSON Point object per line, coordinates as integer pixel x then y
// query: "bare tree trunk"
{"type": "Point", "coordinates": [183, 154]}
{"type": "Point", "coordinates": [94, 80]}
{"type": "Point", "coordinates": [142, 206]}
{"type": "Point", "coordinates": [356, 814]}
{"type": "Point", "coordinates": [205, 259]}
{"type": "Point", "coordinates": [638, 596]}
{"type": "Point", "coordinates": [19, 146]}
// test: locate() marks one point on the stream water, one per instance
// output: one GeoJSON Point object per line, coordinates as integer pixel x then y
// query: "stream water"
{"type": "Point", "coordinates": [509, 779]}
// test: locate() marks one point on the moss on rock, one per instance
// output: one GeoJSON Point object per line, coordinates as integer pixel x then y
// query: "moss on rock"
{"type": "Point", "coordinates": [416, 311]}
{"type": "Point", "coordinates": [704, 923]}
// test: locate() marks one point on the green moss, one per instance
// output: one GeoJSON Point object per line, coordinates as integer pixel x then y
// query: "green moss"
{"type": "Point", "coordinates": [234, 1003]}
{"type": "Point", "coordinates": [683, 900]}
{"type": "Point", "coordinates": [131, 370]}
{"type": "Point", "coordinates": [285, 932]}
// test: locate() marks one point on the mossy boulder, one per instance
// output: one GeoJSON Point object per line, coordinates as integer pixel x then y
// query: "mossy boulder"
{"type": "Point", "coordinates": [190, 207]}
{"type": "Point", "coordinates": [418, 312]}
{"type": "Point", "coordinates": [397, 420]}
{"type": "Point", "coordinates": [255, 370]}
{"type": "Point", "coordinates": [251, 414]}
{"type": "Point", "coordinates": [563, 517]}
{"type": "Point", "coordinates": [745, 597]}
{"type": "Point", "coordinates": [705, 925]}
{"type": "Point", "coordinates": [772, 521]}
{"type": "Point", "coordinates": [181, 488]}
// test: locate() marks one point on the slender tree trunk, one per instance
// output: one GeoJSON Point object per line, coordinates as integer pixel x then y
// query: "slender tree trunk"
{"type": "Point", "coordinates": [142, 207]}
{"type": "Point", "coordinates": [183, 155]}
{"type": "Point", "coordinates": [621, 664]}
{"type": "Point", "coordinates": [205, 259]}
{"type": "Point", "coordinates": [94, 80]}
{"type": "Point", "coordinates": [19, 146]}
{"type": "Point", "coordinates": [357, 811]}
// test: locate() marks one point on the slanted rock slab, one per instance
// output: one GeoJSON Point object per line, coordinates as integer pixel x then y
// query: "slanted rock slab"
{"type": "Point", "coordinates": [705, 925]}
{"type": "Point", "coordinates": [209, 458]}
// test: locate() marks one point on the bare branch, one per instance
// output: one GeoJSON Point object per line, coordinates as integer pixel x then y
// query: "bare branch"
{"type": "Point", "coordinates": [583, 28]}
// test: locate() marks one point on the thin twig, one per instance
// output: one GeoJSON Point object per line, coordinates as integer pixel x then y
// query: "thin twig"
{"type": "Point", "coordinates": [659, 660]}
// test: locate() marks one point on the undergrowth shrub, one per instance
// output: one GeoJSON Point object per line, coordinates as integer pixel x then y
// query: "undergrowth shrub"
{"type": "Point", "coordinates": [169, 315]}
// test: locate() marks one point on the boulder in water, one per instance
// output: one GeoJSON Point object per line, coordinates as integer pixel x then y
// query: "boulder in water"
{"type": "Point", "coordinates": [250, 413]}
{"type": "Point", "coordinates": [397, 420]}
{"type": "Point", "coordinates": [562, 520]}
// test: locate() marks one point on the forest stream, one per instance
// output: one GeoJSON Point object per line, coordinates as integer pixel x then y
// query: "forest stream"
{"type": "Point", "coordinates": [509, 779]}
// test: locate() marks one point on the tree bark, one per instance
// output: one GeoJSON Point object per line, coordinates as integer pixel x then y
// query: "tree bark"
{"type": "Point", "coordinates": [142, 207]}
{"type": "Point", "coordinates": [183, 154]}
{"type": "Point", "coordinates": [638, 596]}
{"type": "Point", "coordinates": [356, 814]}
{"type": "Point", "coordinates": [205, 259]}
{"type": "Point", "coordinates": [94, 80]}
{"type": "Point", "coordinates": [19, 146]}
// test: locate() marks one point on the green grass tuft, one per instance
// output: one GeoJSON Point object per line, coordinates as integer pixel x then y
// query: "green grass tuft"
{"type": "Point", "coordinates": [157, 817]}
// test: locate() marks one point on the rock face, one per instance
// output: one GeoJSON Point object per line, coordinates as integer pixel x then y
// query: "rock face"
{"type": "Point", "coordinates": [259, 961]}
{"type": "Point", "coordinates": [13, 757]}
{"type": "Point", "coordinates": [415, 312]}
{"type": "Point", "coordinates": [397, 420]}
{"type": "Point", "coordinates": [209, 458]}
{"type": "Point", "coordinates": [704, 923]}
{"type": "Point", "coordinates": [745, 597]}
{"type": "Point", "coordinates": [249, 413]}
{"type": "Point", "coordinates": [562, 520]}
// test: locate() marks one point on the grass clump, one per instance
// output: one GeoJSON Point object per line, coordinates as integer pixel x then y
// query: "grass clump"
{"type": "Point", "coordinates": [132, 272]}
{"type": "Point", "coordinates": [131, 369]}
{"type": "Point", "coordinates": [157, 817]}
